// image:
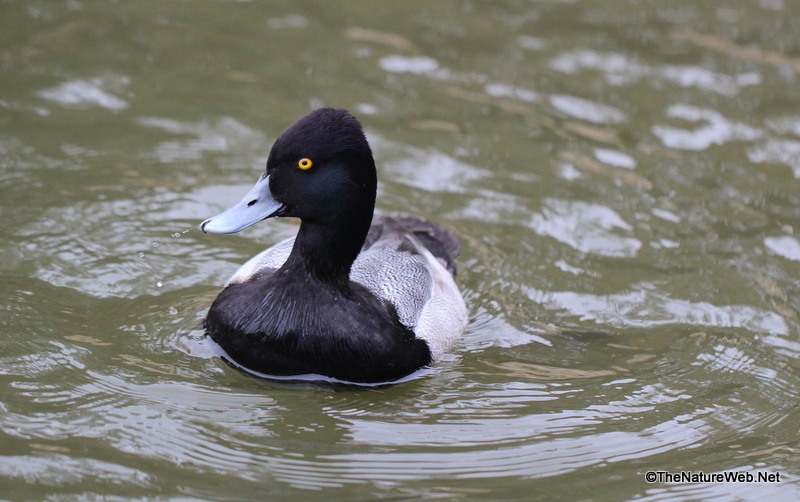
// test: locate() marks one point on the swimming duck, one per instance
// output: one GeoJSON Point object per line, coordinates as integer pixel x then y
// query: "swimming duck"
{"type": "Point", "coordinates": [350, 297]}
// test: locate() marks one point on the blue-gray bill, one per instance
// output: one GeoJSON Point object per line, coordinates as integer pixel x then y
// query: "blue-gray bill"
{"type": "Point", "coordinates": [255, 206]}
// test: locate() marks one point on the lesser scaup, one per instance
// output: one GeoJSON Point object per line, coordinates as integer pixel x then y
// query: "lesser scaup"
{"type": "Point", "coordinates": [350, 297]}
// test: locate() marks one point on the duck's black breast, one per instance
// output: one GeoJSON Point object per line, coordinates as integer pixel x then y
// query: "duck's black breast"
{"type": "Point", "coordinates": [280, 323]}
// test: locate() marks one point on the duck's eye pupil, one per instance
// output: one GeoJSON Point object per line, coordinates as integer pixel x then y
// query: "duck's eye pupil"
{"type": "Point", "coordinates": [304, 163]}
{"type": "Point", "coordinates": [252, 202]}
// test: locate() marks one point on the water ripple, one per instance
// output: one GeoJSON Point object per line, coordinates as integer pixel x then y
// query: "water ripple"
{"type": "Point", "coordinates": [648, 308]}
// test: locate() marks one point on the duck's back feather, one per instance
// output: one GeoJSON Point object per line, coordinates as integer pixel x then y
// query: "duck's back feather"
{"type": "Point", "coordinates": [410, 263]}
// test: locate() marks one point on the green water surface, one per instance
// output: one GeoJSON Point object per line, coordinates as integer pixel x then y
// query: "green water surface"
{"type": "Point", "coordinates": [624, 176]}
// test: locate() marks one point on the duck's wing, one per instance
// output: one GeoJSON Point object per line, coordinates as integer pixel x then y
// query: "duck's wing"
{"type": "Point", "coordinates": [400, 268]}
{"type": "Point", "coordinates": [269, 259]}
{"type": "Point", "coordinates": [441, 242]}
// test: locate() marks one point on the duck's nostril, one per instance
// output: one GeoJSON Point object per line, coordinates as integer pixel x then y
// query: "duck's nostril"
{"type": "Point", "coordinates": [252, 202]}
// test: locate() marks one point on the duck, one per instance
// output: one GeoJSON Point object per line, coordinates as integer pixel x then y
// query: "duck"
{"type": "Point", "coordinates": [353, 296]}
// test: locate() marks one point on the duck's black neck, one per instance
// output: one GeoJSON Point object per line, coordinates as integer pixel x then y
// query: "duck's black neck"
{"type": "Point", "coordinates": [327, 250]}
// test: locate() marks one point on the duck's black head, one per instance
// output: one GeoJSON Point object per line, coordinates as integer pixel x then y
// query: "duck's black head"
{"type": "Point", "coordinates": [321, 170]}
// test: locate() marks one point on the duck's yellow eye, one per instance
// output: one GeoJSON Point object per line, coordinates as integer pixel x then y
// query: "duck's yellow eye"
{"type": "Point", "coordinates": [304, 164]}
